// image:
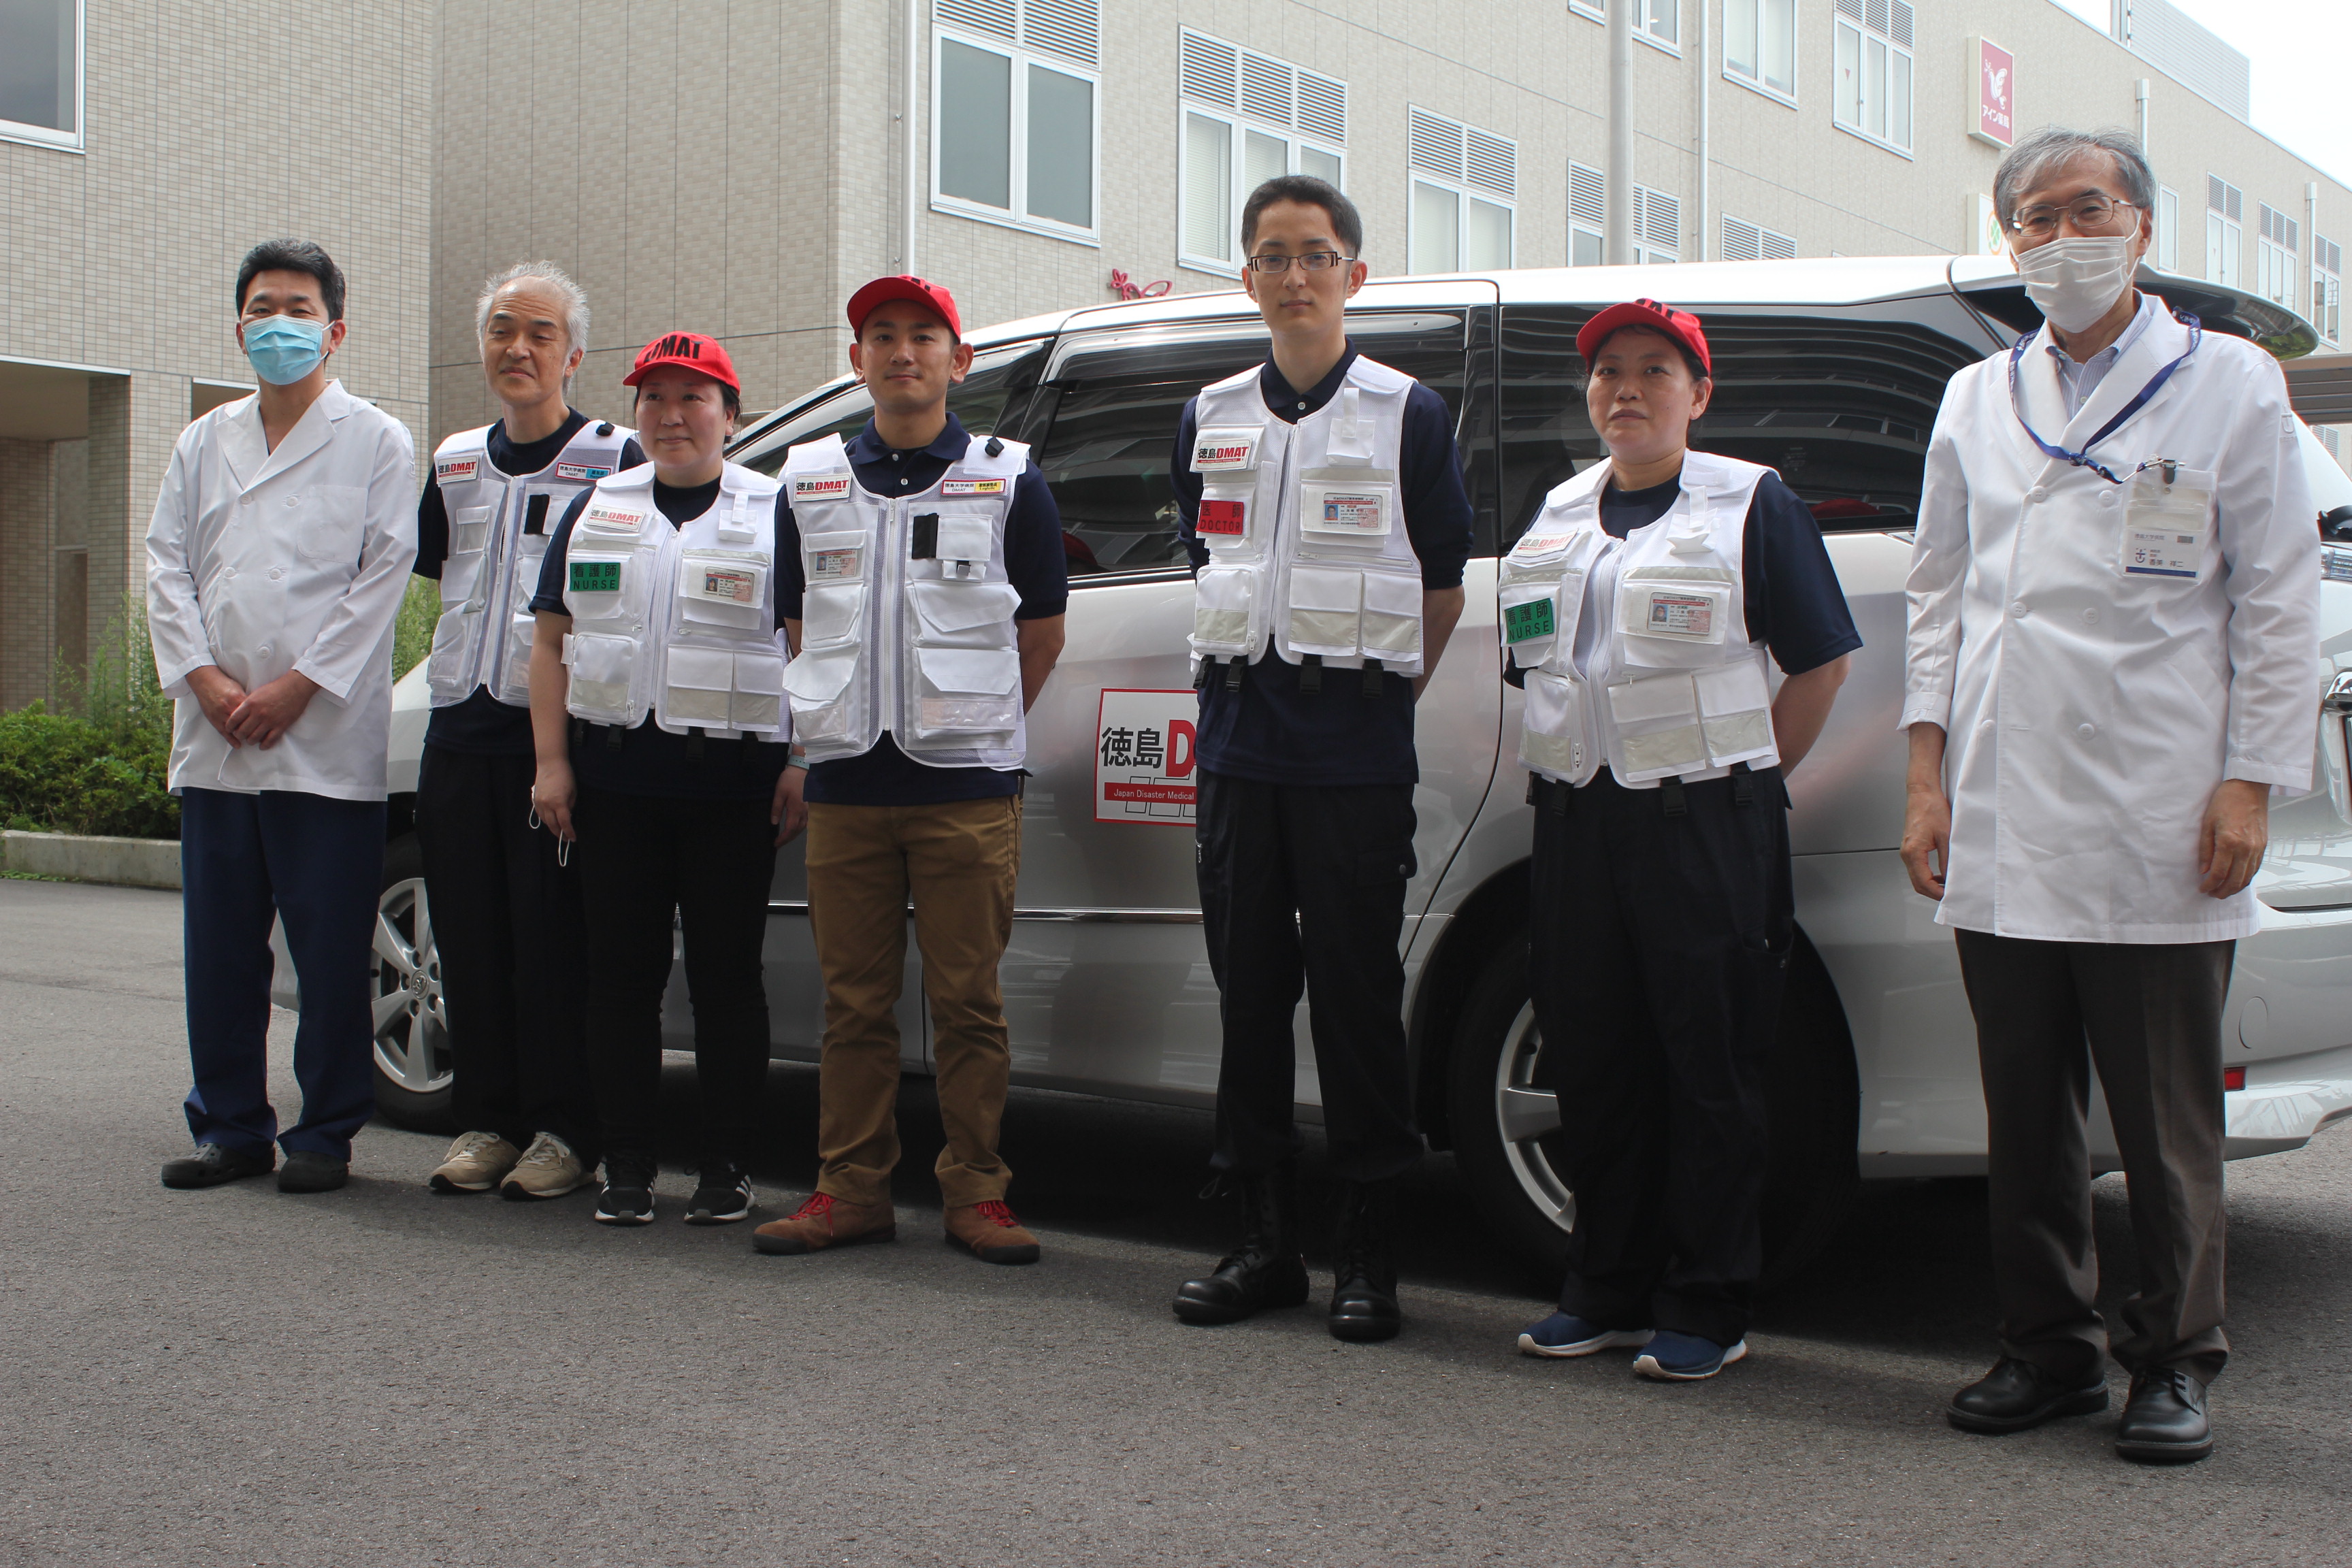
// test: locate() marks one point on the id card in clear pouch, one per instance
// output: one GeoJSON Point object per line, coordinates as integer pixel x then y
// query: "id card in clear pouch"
{"type": "Point", "coordinates": [2168, 514]}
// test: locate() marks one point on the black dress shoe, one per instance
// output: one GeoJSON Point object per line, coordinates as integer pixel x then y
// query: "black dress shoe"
{"type": "Point", "coordinates": [1266, 1270]}
{"type": "Point", "coordinates": [1363, 1268]}
{"type": "Point", "coordinates": [211, 1164]}
{"type": "Point", "coordinates": [2016, 1394]}
{"type": "Point", "coordinates": [2163, 1420]}
{"type": "Point", "coordinates": [307, 1172]}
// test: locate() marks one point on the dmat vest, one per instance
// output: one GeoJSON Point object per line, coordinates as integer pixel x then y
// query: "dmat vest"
{"type": "Point", "coordinates": [1669, 691]}
{"type": "Point", "coordinates": [680, 622]}
{"type": "Point", "coordinates": [1306, 536]}
{"type": "Point", "coordinates": [499, 528]}
{"type": "Point", "coordinates": [907, 625]}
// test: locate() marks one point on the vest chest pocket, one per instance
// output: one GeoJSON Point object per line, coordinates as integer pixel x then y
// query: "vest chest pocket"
{"type": "Point", "coordinates": [1223, 519]}
{"type": "Point", "coordinates": [723, 587]}
{"type": "Point", "coordinates": [469, 538]}
{"type": "Point", "coordinates": [602, 668]}
{"type": "Point", "coordinates": [1338, 508]}
{"type": "Point", "coordinates": [1391, 616]}
{"type": "Point", "coordinates": [1222, 597]}
{"type": "Point", "coordinates": [964, 615]}
{"type": "Point", "coordinates": [724, 690]}
{"type": "Point", "coordinates": [819, 685]}
{"type": "Point", "coordinates": [1531, 612]}
{"type": "Point", "coordinates": [967, 691]}
{"type": "Point", "coordinates": [830, 558]}
{"type": "Point", "coordinates": [604, 585]}
{"type": "Point", "coordinates": [1326, 606]}
{"type": "Point", "coordinates": [1674, 623]}
{"type": "Point", "coordinates": [831, 613]}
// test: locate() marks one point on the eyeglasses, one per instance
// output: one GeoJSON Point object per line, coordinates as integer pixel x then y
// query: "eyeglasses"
{"type": "Point", "coordinates": [2092, 212]}
{"type": "Point", "coordinates": [1313, 261]}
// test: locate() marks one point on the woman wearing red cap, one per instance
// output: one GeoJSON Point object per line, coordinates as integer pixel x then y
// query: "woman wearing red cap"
{"type": "Point", "coordinates": [1638, 609]}
{"type": "Point", "coordinates": [655, 697]}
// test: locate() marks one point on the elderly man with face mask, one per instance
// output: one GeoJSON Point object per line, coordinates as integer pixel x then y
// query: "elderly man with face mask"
{"type": "Point", "coordinates": [2112, 665]}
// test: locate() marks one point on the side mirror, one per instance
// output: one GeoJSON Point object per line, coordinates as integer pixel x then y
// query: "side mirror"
{"type": "Point", "coordinates": [2335, 525]}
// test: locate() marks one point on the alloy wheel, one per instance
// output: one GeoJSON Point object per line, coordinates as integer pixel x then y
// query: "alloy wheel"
{"type": "Point", "coordinates": [412, 1025]}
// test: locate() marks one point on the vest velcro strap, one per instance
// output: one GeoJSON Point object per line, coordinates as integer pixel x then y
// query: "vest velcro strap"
{"type": "Point", "coordinates": [1310, 675]}
{"type": "Point", "coordinates": [1743, 784]}
{"type": "Point", "coordinates": [1233, 669]}
{"type": "Point", "coordinates": [1550, 795]}
{"type": "Point", "coordinates": [613, 734]}
{"type": "Point", "coordinates": [1371, 680]}
{"type": "Point", "coordinates": [1670, 791]}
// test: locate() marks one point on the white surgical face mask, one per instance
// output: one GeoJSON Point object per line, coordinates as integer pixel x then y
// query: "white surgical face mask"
{"type": "Point", "coordinates": [2075, 282]}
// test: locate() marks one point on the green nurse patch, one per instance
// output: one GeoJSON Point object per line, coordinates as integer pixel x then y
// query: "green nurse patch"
{"type": "Point", "coordinates": [595, 576]}
{"type": "Point", "coordinates": [1521, 622]}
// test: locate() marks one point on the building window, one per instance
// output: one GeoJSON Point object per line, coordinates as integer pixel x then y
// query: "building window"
{"type": "Point", "coordinates": [2280, 242]}
{"type": "Point", "coordinates": [2327, 288]}
{"type": "Point", "coordinates": [1248, 118]}
{"type": "Point", "coordinates": [1016, 112]}
{"type": "Point", "coordinates": [1744, 241]}
{"type": "Point", "coordinates": [1874, 71]}
{"type": "Point", "coordinates": [2225, 208]}
{"type": "Point", "coordinates": [1657, 221]}
{"type": "Point", "coordinates": [1657, 22]}
{"type": "Point", "coordinates": [1465, 188]}
{"type": "Point", "coordinates": [40, 71]}
{"type": "Point", "coordinates": [2167, 229]}
{"type": "Point", "coordinates": [1759, 44]}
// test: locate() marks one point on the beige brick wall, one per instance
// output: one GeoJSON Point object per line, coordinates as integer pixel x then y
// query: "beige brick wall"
{"type": "Point", "coordinates": [209, 128]}
{"type": "Point", "coordinates": [737, 167]}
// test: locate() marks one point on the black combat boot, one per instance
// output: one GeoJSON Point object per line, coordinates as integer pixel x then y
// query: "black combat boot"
{"type": "Point", "coordinates": [1266, 1270]}
{"type": "Point", "coordinates": [1364, 1265]}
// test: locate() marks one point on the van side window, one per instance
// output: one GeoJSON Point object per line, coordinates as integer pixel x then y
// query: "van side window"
{"type": "Point", "coordinates": [1121, 394]}
{"type": "Point", "coordinates": [1840, 401]}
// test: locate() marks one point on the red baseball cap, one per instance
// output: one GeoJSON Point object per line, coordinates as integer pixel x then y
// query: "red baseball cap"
{"type": "Point", "coordinates": [1679, 325]}
{"type": "Point", "coordinates": [882, 290]}
{"type": "Point", "coordinates": [688, 351]}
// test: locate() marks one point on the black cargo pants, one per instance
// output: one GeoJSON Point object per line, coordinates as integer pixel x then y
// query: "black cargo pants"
{"type": "Point", "coordinates": [1302, 889]}
{"type": "Point", "coordinates": [1659, 933]}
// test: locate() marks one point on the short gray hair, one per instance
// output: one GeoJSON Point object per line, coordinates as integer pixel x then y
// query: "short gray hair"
{"type": "Point", "coordinates": [574, 298]}
{"type": "Point", "coordinates": [2053, 147]}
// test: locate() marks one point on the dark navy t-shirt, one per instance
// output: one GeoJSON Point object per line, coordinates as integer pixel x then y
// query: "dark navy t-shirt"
{"type": "Point", "coordinates": [1034, 562]}
{"type": "Point", "coordinates": [648, 759]}
{"type": "Point", "coordinates": [481, 724]}
{"type": "Point", "coordinates": [1271, 732]}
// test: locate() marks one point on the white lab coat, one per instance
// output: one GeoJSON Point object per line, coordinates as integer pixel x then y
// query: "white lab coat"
{"type": "Point", "coordinates": [262, 562]}
{"type": "Point", "coordinates": [2089, 715]}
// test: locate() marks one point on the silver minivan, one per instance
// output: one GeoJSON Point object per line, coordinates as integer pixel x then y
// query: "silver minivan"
{"type": "Point", "coordinates": [1830, 372]}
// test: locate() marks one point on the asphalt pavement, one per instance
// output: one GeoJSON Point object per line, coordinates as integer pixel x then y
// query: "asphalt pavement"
{"type": "Point", "coordinates": [382, 1375]}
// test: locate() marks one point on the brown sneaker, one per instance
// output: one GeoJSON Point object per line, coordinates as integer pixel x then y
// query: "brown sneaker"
{"type": "Point", "coordinates": [828, 1221]}
{"type": "Point", "coordinates": [991, 1232]}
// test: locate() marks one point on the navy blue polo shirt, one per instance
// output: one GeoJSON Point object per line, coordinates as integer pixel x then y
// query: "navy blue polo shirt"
{"type": "Point", "coordinates": [1269, 729]}
{"type": "Point", "coordinates": [1034, 563]}
{"type": "Point", "coordinates": [1790, 595]}
{"type": "Point", "coordinates": [481, 724]}
{"type": "Point", "coordinates": [649, 760]}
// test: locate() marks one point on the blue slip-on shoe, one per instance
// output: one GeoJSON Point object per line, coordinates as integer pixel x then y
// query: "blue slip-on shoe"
{"type": "Point", "coordinates": [1686, 1358]}
{"type": "Point", "coordinates": [1566, 1334]}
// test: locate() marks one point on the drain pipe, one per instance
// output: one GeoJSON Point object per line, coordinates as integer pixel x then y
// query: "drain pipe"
{"type": "Point", "coordinates": [908, 120]}
{"type": "Point", "coordinates": [1698, 250]}
{"type": "Point", "coordinates": [1619, 197]}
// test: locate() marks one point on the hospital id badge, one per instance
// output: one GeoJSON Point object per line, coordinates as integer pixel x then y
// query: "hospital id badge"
{"type": "Point", "coordinates": [1671, 615]}
{"type": "Point", "coordinates": [836, 563]}
{"type": "Point", "coordinates": [725, 584]}
{"type": "Point", "coordinates": [1352, 513]}
{"type": "Point", "coordinates": [2165, 523]}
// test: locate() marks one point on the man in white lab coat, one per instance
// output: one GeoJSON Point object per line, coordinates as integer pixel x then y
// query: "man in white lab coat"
{"type": "Point", "coordinates": [276, 564]}
{"type": "Point", "coordinates": [2113, 663]}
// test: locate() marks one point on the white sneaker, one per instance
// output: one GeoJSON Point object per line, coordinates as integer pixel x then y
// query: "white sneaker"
{"type": "Point", "coordinates": [547, 1169]}
{"type": "Point", "coordinates": [474, 1163]}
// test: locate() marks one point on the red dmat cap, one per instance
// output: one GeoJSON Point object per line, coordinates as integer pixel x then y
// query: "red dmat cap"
{"type": "Point", "coordinates": [882, 290]}
{"type": "Point", "coordinates": [688, 351]}
{"type": "Point", "coordinates": [1679, 325]}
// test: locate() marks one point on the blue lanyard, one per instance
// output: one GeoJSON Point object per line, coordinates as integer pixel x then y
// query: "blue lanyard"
{"type": "Point", "coordinates": [2082, 459]}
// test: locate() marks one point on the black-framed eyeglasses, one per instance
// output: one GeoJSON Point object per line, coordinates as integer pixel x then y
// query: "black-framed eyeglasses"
{"type": "Point", "coordinates": [2089, 212]}
{"type": "Point", "coordinates": [1313, 261]}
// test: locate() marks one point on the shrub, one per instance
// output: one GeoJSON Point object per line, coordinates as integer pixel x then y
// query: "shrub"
{"type": "Point", "coordinates": [412, 635]}
{"type": "Point", "coordinates": [62, 773]}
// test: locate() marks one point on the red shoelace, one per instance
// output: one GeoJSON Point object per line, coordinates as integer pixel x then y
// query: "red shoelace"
{"type": "Point", "coordinates": [999, 1211]}
{"type": "Point", "coordinates": [818, 1205]}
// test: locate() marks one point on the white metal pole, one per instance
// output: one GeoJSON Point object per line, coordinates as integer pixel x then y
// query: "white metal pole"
{"type": "Point", "coordinates": [2311, 252]}
{"type": "Point", "coordinates": [2141, 92]}
{"type": "Point", "coordinates": [1619, 197]}
{"type": "Point", "coordinates": [909, 118]}
{"type": "Point", "coordinates": [1698, 250]}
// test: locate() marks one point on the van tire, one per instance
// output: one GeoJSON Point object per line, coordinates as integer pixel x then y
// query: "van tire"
{"type": "Point", "coordinates": [1521, 1186]}
{"type": "Point", "coordinates": [415, 1083]}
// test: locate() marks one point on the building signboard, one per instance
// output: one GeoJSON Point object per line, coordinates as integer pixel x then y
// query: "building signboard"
{"type": "Point", "coordinates": [1996, 93]}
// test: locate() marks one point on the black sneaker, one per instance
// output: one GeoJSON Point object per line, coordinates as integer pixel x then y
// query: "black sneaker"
{"type": "Point", "coordinates": [213, 1164]}
{"type": "Point", "coordinates": [628, 1196]}
{"type": "Point", "coordinates": [721, 1197]}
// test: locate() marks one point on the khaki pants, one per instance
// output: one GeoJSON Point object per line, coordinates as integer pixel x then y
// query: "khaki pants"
{"type": "Point", "coordinates": [958, 860]}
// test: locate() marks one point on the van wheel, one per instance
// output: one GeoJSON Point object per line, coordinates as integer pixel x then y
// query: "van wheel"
{"type": "Point", "coordinates": [1507, 1137]}
{"type": "Point", "coordinates": [414, 1074]}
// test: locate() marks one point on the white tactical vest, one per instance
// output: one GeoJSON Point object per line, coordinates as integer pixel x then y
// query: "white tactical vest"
{"type": "Point", "coordinates": [1672, 687]}
{"type": "Point", "coordinates": [499, 528]}
{"type": "Point", "coordinates": [678, 622]}
{"type": "Point", "coordinates": [906, 624]}
{"type": "Point", "coordinates": [1305, 530]}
